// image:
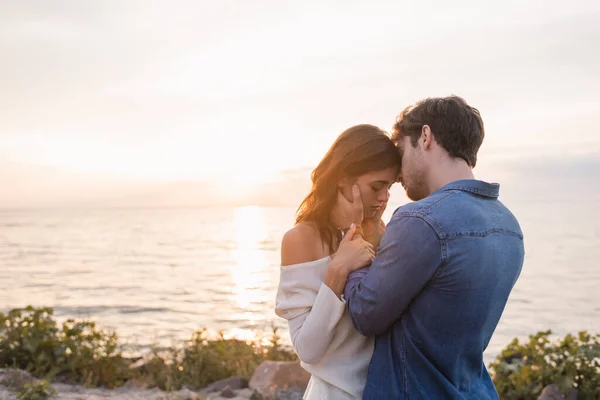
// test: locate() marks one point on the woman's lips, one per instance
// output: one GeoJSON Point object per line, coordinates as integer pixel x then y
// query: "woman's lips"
{"type": "Point", "coordinates": [376, 209]}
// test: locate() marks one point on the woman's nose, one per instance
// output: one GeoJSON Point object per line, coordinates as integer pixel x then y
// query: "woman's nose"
{"type": "Point", "coordinates": [384, 197]}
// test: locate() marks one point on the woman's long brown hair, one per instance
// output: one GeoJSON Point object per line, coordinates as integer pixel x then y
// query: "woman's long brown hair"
{"type": "Point", "coordinates": [357, 151]}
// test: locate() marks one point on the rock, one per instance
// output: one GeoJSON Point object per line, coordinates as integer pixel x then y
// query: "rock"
{"type": "Point", "coordinates": [5, 394]}
{"type": "Point", "coordinates": [572, 394]}
{"type": "Point", "coordinates": [244, 394]}
{"type": "Point", "coordinates": [139, 365]}
{"type": "Point", "coordinates": [136, 384]}
{"type": "Point", "coordinates": [15, 379]}
{"type": "Point", "coordinates": [228, 393]}
{"type": "Point", "coordinates": [551, 392]}
{"type": "Point", "coordinates": [283, 375]}
{"type": "Point", "coordinates": [290, 394]}
{"type": "Point", "coordinates": [66, 388]}
{"type": "Point", "coordinates": [235, 383]}
{"type": "Point", "coordinates": [187, 394]}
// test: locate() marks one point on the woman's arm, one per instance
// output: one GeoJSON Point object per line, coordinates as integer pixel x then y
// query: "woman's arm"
{"type": "Point", "coordinates": [313, 317]}
{"type": "Point", "coordinates": [311, 331]}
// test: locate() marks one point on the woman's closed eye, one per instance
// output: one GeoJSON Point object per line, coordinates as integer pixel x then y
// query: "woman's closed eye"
{"type": "Point", "coordinates": [380, 186]}
{"type": "Point", "coordinates": [377, 187]}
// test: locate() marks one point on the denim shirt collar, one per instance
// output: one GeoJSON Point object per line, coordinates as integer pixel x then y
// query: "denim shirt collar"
{"type": "Point", "coordinates": [475, 186]}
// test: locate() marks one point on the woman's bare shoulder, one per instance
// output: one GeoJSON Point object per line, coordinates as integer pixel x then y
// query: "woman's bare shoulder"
{"type": "Point", "coordinates": [301, 244]}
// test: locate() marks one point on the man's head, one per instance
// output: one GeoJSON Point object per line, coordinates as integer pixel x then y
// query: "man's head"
{"type": "Point", "coordinates": [434, 136]}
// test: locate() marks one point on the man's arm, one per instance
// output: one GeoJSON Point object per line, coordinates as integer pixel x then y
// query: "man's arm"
{"type": "Point", "coordinates": [409, 256]}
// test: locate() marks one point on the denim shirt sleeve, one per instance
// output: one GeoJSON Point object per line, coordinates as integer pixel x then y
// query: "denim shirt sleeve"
{"type": "Point", "coordinates": [409, 256]}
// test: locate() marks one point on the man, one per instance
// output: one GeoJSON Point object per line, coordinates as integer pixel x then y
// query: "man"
{"type": "Point", "coordinates": [445, 266]}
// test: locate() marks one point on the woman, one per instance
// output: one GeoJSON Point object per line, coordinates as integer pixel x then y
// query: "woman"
{"type": "Point", "coordinates": [363, 159]}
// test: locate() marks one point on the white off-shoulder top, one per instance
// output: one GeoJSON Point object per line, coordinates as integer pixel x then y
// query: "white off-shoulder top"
{"type": "Point", "coordinates": [322, 333]}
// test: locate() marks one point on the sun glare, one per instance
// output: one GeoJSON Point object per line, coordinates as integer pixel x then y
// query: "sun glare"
{"type": "Point", "coordinates": [247, 273]}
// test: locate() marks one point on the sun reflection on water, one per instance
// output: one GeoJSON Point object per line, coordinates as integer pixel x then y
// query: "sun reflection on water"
{"type": "Point", "coordinates": [250, 262]}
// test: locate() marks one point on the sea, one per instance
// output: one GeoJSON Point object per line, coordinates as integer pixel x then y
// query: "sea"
{"type": "Point", "coordinates": [156, 275]}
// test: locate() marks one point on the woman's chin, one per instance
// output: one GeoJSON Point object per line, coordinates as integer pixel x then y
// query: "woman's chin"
{"type": "Point", "coordinates": [370, 214]}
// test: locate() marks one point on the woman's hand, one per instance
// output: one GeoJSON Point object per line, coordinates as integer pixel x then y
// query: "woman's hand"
{"type": "Point", "coordinates": [373, 228]}
{"type": "Point", "coordinates": [347, 212]}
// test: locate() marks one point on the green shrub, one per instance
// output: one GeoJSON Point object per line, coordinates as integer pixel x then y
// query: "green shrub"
{"type": "Point", "coordinates": [202, 361]}
{"type": "Point", "coordinates": [78, 352]}
{"type": "Point", "coordinates": [91, 356]}
{"type": "Point", "coordinates": [37, 390]}
{"type": "Point", "coordinates": [521, 371]}
{"type": "Point", "coordinates": [30, 339]}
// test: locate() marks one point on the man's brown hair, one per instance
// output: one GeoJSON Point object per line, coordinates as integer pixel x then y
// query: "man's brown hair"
{"type": "Point", "coordinates": [455, 125]}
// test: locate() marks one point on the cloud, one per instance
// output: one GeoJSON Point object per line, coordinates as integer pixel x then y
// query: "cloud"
{"type": "Point", "coordinates": [147, 86]}
{"type": "Point", "coordinates": [137, 68]}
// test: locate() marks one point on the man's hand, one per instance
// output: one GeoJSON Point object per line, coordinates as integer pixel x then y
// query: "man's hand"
{"type": "Point", "coordinates": [345, 212]}
{"type": "Point", "coordinates": [354, 253]}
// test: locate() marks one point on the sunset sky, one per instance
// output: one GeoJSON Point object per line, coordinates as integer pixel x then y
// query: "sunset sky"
{"type": "Point", "coordinates": [224, 97]}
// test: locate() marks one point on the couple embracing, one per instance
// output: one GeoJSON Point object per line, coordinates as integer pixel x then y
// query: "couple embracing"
{"type": "Point", "coordinates": [402, 310]}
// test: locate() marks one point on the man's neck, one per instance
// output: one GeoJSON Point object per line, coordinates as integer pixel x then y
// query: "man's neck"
{"type": "Point", "coordinates": [448, 172]}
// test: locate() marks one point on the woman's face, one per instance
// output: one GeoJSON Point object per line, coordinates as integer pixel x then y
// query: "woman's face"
{"type": "Point", "coordinates": [375, 189]}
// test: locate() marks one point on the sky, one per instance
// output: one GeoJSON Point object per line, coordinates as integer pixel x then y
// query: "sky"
{"type": "Point", "coordinates": [199, 103]}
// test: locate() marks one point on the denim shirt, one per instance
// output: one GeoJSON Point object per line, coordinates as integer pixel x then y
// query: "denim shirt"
{"type": "Point", "coordinates": [435, 293]}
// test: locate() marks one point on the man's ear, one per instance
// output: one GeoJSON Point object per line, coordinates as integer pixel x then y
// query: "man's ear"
{"type": "Point", "coordinates": [426, 137]}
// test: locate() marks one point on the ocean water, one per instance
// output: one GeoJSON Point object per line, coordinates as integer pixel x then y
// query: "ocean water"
{"type": "Point", "coordinates": [156, 275]}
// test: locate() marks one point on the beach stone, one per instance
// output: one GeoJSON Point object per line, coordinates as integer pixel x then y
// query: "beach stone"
{"type": "Point", "coordinates": [139, 365]}
{"type": "Point", "coordinates": [15, 379]}
{"type": "Point", "coordinates": [66, 388]}
{"type": "Point", "coordinates": [290, 394]}
{"type": "Point", "coordinates": [244, 394]}
{"type": "Point", "coordinates": [228, 393]}
{"type": "Point", "coordinates": [235, 383]}
{"type": "Point", "coordinates": [551, 392]}
{"type": "Point", "coordinates": [187, 394]}
{"type": "Point", "coordinates": [572, 394]}
{"type": "Point", "coordinates": [135, 384]}
{"type": "Point", "coordinates": [283, 375]}
{"type": "Point", "coordinates": [5, 394]}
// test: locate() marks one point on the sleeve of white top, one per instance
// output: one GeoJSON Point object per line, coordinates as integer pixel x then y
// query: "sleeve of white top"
{"type": "Point", "coordinates": [312, 332]}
